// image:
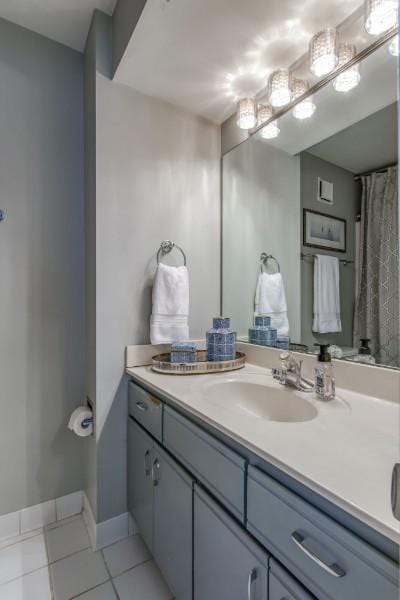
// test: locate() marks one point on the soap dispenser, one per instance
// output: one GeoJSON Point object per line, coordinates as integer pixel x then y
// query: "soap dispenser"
{"type": "Point", "coordinates": [364, 353]}
{"type": "Point", "coordinates": [324, 378]}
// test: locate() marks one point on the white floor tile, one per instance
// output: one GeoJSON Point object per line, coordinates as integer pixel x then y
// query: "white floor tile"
{"type": "Point", "coordinates": [22, 558]}
{"type": "Point", "coordinates": [103, 592]}
{"type": "Point", "coordinates": [67, 539]}
{"type": "Point", "coordinates": [125, 554]}
{"type": "Point", "coordinates": [9, 525]}
{"type": "Point", "coordinates": [62, 522]}
{"type": "Point", "coordinates": [69, 505]}
{"type": "Point", "coordinates": [37, 516]}
{"type": "Point", "coordinates": [19, 538]}
{"type": "Point", "coordinates": [144, 582]}
{"type": "Point", "coordinates": [77, 573]}
{"type": "Point", "coordinates": [35, 586]}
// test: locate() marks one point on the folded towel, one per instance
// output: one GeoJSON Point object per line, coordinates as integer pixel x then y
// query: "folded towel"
{"type": "Point", "coordinates": [169, 319]}
{"type": "Point", "coordinates": [326, 295]}
{"type": "Point", "coordinates": [270, 301]}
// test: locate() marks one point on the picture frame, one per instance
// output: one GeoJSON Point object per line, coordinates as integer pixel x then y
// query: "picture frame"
{"type": "Point", "coordinates": [324, 231]}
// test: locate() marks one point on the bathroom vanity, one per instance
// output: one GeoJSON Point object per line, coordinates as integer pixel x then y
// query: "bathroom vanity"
{"type": "Point", "coordinates": [239, 504]}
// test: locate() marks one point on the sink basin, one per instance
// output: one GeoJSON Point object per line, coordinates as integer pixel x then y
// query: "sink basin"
{"type": "Point", "coordinates": [260, 401]}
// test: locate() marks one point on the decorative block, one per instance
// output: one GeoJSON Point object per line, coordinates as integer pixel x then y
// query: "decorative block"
{"type": "Point", "coordinates": [221, 340]}
{"type": "Point", "coordinates": [260, 321]}
{"type": "Point", "coordinates": [283, 342]}
{"type": "Point", "coordinates": [183, 352]}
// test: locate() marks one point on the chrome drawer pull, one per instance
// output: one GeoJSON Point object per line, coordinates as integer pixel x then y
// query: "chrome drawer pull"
{"type": "Point", "coordinates": [251, 579]}
{"type": "Point", "coordinates": [147, 469]}
{"type": "Point", "coordinates": [332, 569]}
{"type": "Point", "coordinates": [156, 465]}
{"type": "Point", "coordinates": [142, 406]}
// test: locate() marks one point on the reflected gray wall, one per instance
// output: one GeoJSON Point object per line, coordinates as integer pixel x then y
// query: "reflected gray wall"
{"type": "Point", "coordinates": [42, 346]}
{"type": "Point", "coordinates": [261, 212]}
{"type": "Point", "coordinates": [347, 198]}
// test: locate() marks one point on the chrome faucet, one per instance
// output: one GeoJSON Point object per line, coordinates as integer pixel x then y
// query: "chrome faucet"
{"type": "Point", "coordinates": [290, 373]}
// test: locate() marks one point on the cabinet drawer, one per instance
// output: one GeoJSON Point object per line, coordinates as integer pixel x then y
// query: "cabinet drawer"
{"type": "Point", "coordinates": [218, 467]}
{"type": "Point", "coordinates": [146, 409]}
{"type": "Point", "coordinates": [282, 586]}
{"type": "Point", "coordinates": [332, 562]}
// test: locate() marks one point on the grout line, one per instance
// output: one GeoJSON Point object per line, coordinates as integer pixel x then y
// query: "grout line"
{"type": "Point", "coordinates": [12, 541]}
{"type": "Point", "coordinates": [132, 568]}
{"type": "Point", "coordinates": [52, 592]}
{"type": "Point", "coordinates": [109, 574]}
{"type": "Point", "coordinates": [69, 555]}
{"type": "Point", "coordinates": [23, 575]}
{"type": "Point", "coordinates": [89, 590]}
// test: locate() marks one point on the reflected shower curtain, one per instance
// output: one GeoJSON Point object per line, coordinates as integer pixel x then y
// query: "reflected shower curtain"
{"type": "Point", "coordinates": [377, 309]}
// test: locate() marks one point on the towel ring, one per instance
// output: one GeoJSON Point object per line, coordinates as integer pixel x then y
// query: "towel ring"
{"type": "Point", "coordinates": [166, 247]}
{"type": "Point", "coordinates": [264, 258]}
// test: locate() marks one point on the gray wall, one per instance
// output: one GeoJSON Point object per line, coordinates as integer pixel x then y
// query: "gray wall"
{"type": "Point", "coordinates": [125, 17]}
{"type": "Point", "coordinates": [346, 206]}
{"type": "Point", "coordinates": [261, 213]}
{"type": "Point", "coordinates": [157, 177]}
{"type": "Point", "coordinates": [41, 266]}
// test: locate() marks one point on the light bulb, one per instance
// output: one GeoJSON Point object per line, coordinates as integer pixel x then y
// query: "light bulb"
{"type": "Point", "coordinates": [246, 115]}
{"type": "Point", "coordinates": [380, 15]}
{"type": "Point", "coordinates": [323, 52]}
{"type": "Point", "coordinates": [270, 131]}
{"type": "Point", "coordinates": [306, 108]}
{"type": "Point", "coordinates": [279, 88]}
{"type": "Point", "coordinates": [350, 78]}
{"type": "Point", "coordinates": [394, 46]}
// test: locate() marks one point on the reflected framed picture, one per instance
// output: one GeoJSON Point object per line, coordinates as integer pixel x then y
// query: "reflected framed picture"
{"type": "Point", "coordinates": [324, 231]}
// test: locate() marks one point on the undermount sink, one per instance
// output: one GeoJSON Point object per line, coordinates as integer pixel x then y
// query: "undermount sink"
{"type": "Point", "coordinates": [260, 400]}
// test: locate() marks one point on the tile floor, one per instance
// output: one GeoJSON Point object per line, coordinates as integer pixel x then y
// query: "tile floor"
{"type": "Point", "coordinates": [57, 563]}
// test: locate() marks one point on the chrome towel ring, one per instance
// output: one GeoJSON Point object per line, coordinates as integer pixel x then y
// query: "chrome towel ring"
{"type": "Point", "coordinates": [166, 247]}
{"type": "Point", "coordinates": [264, 258]}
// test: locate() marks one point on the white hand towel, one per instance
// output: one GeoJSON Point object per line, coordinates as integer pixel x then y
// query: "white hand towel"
{"type": "Point", "coordinates": [326, 295]}
{"type": "Point", "coordinates": [170, 316]}
{"type": "Point", "coordinates": [270, 301]}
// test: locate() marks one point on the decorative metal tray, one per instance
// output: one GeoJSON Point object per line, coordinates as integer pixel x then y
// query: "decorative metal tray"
{"type": "Point", "coordinates": [162, 364]}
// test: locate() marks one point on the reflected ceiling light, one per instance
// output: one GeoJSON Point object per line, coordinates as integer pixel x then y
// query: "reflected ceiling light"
{"type": "Point", "coordinates": [380, 15]}
{"type": "Point", "coordinates": [280, 92]}
{"type": "Point", "coordinates": [306, 108]}
{"type": "Point", "coordinates": [270, 131]}
{"type": "Point", "coordinates": [351, 78]}
{"type": "Point", "coordinates": [394, 46]}
{"type": "Point", "coordinates": [323, 52]}
{"type": "Point", "coordinates": [246, 114]}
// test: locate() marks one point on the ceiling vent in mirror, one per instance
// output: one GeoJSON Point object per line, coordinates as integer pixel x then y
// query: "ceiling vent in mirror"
{"type": "Point", "coordinates": [325, 191]}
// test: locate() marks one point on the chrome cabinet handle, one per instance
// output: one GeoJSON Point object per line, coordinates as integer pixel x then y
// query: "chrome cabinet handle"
{"type": "Point", "coordinates": [147, 469]}
{"type": "Point", "coordinates": [332, 569]}
{"type": "Point", "coordinates": [251, 579]}
{"type": "Point", "coordinates": [142, 406]}
{"type": "Point", "coordinates": [395, 492]}
{"type": "Point", "coordinates": [156, 465]}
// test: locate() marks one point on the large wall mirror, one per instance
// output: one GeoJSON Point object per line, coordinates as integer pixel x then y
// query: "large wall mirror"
{"type": "Point", "coordinates": [311, 223]}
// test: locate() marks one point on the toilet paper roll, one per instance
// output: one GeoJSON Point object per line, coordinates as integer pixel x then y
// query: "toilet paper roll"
{"type": "Point", "coordinates": [81, 421]}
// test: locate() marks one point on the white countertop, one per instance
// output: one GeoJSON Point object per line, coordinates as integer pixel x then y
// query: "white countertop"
{"type": "Point", "coordinates": [346, 454]}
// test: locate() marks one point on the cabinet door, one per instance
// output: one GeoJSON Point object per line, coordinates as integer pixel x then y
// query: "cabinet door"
{"type": "Point", "coordinates": [173, 521]}
{"type": "Point", "coordinates": [228, 564]}
{"type": "Point", "coordinates": [140, 485]}
{"type": "Point", "coordinates": [282, 586]}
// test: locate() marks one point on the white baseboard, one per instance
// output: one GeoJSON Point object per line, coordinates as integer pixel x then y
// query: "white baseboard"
{"type": "Point", "coordinates": [107, 532]}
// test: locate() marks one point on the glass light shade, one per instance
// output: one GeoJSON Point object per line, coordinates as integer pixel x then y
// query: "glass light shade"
{"type": "Point", "coordinates": [246, 115]}
{"type": "Point", "coordinates": [323, 52]}
{"type": "Point", "coordinates": [265, 112]}
{"type": "Point", "coordinates": [270, 131]}
{"type": "Point", "coordinates": [280, 92]}
{"type": "Point", "coordinates": [351, 78]}
{"type": "Point", "coordinates": [394, 46]}
{"type": "Point", "coordinates": [306, 108]}
{"type": "Point", "coordinates": [380, 15]}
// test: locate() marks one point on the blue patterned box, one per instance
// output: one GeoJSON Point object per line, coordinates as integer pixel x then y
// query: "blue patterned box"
{"type": "Point", "coordinates": [262, 333]}
{"type": "Point", "coordinates": [221, 340]}
{"type": "Point", "coordinates": [260, 321]}
{"type": "Point", "coordinates": [283, 342]}
{"type": "Point", "coordinates": [183, 352]}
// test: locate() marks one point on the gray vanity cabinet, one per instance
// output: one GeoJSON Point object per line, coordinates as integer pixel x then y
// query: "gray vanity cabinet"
{"type": "Point", "coordinates": [282, 586]}
{"type": "Point", "coordinates": [173, 514]}
{"type": "Point", "coordinates": [227, 563]}
{"type": "Point", "coordinates": [140, 484]}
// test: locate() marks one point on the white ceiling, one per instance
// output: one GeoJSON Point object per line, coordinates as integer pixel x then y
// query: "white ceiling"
{"type": "Point", "coordinates": [65, 21]}
{"type": "Point", "coordinates": [202, 54]}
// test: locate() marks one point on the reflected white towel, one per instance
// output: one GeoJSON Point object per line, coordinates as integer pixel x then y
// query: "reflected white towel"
{"type": "Point", "coordinates": [170, 316]}
{"type": "Point", "coordinates": [270, 301]}
{"type": "Point", "coordinates": [326, 295]}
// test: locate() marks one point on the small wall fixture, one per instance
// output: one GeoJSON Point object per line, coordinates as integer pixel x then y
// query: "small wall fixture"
{"type": "Point", "coordinates": [323, 52]}
{"type": "Point", "coordinates": [351, 78]}
{"type": "Point", "coordinates": [246, 115]}
{"type": "Point", "coordinates": [306, 108]}
{"type": "Point", "coordinates": [280, 92]}
{"type": "Point", "coordinates": [270, 131]}
{"type": "Point", "coordinates": [380, 15]}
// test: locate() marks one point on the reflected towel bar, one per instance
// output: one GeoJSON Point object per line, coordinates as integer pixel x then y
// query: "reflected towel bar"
{"type": "Point", "coordinates": [343, 261]}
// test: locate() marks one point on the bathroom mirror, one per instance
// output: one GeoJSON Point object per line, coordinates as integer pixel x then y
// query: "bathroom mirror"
{"type": "Point", "coordinates": [318, 204]}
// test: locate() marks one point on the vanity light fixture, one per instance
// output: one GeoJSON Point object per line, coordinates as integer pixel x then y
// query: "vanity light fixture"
{"type": "Point", "coordinates": [270, 131]}
{"type": "Point", "coordinates": [394, 46]}
{"type": "Point", "coordinates": [323, 52]}
{"type": "Point", "coordinates": [280, 92]}
{"type": "Point", "coordinates": [349, 79]}
{"type": "Point", "coordinates": [246, 114]}
{"type": "Point", "coordinates": [380, 15]}
{"type": "Point", "coordinates": [306, 108]}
